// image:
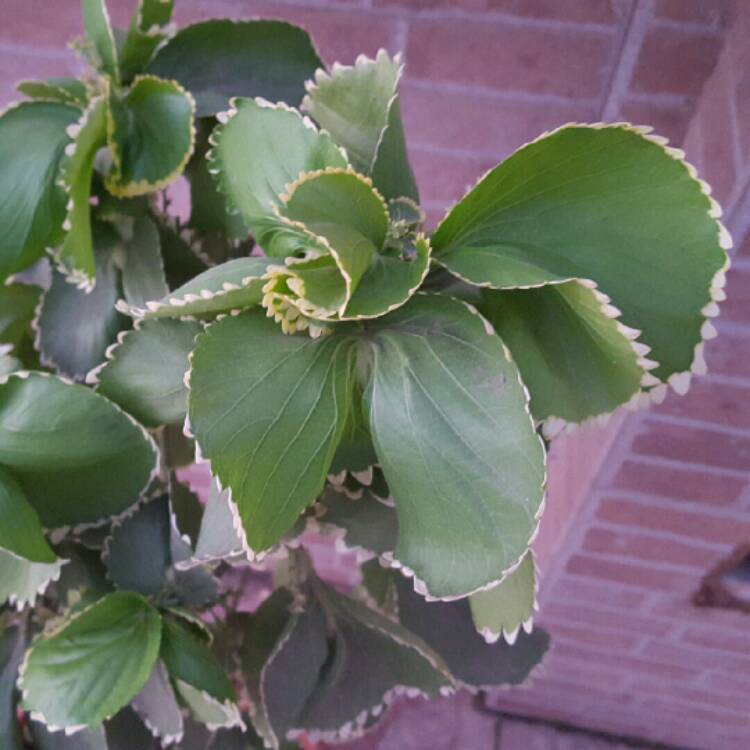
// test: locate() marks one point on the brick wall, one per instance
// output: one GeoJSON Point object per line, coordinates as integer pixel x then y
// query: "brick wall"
{"type": "Point", "coordinates": [638, 512]}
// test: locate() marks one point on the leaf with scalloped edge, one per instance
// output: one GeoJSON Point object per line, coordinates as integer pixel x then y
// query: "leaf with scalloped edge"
{"type": "Point", "coordinates": [74, 327]}
{"type": "Point", "coordinates": [33, 137]}
{"type": "Point", "coordinates": [576, 358]}
{"type": "Point", "coordinates": [448, 628]}
{"type": "Point", "coordinates": [100, 37]}
{"type": "Point", "coordinates": [607, 203]}
{"type": "Point", "coordinates": [157, 706]}
{"type": "Point", "coordinates": [145, 372]}
{"type": "Point", "coordinates": [151, 135]}
{"type": "Point", "coordinates": [218, 538]}
{"type": "Point", "coordinates": [233, 285]}
{"type": "Point", "coordinates": [358, 105]}
{"type": "Point", "coordinates": [22, 581]}
{"type": "Point", "coordinates": [75, 256]}
{"type": "Point", "coordinates": [219, 59]}
{"type": "Point", "coordinates": [143, 276]}
{"type": "Point", "coordinates": [86, 739]}
{"type": "Point", "coordinates": [12, 647]}
{"type": "Point", "coordinates": [21, 532]}
{"type": "Point", "coordinates": [503, 610]}
{"type": "Point", "coordinates": [93, 664]}
{"type": "Point", "coordinates": [99, 474]}
{"type": "Point", "coordinates": [149, 28]}
{"type": "Point", "coordinates": [451, 427]}
{"type": "Point", "coordinates": [64, 90]}
{"type": "Point", "coordinates": [259, 149]}
{"type": "Point", "coordinates": [259, 399]}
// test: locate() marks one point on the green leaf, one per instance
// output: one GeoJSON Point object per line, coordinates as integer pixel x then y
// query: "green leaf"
{"type": "Point", "coordinates": [448, 628]}
{"type": "Point", "coordinates": [63, 90]}
{"type": "Point", "coordinates": [199, 679]}
{"type": "Point", "coordinates": [576, 358]}
{"type": "Point", "coordinates": [607, 203]}
{"type": "Point", "coordinates": [32, 205]}
{"type": "Point", "coordinates": [355, 451]}
{"type": "Point", "coordinates": [157, 706]}
{"type": "Point", "coordinates": [94, 664]}
{"type": "Point", "coordinates": [219, 538]}
{"type": "Point", "coordinates": [451, 428]}
{"type": "Point", "coordinates": [97, 475]}
{"type": "Point", "coordinates": [367, 523]}
{"type": "Point", "coordinates": [21, 532]}
{"type": "Point", "coordinates": [137, 554]}
{"type": "Point", "coordinates": [509, 606]}
{"type": "Point", "coordinates": [99, 35]}
{"type": "Point", "coordinates": [75, 257]}
{"type": "Point", "coordinates": [259, 149]}
{"type": "Point", "coordinates": [233, 285]}
{"type": "Point", "coordinates": [181, 264]}
{"type": "Point", "coordinates": [149, 27]}
{"type": "Point", "coordinates": [187, 508]}
{"type": "Point", "coordinates": [143, 277]}
{"type": "Point", "coordinates": [150, 134]}
{"type": "Point", "coordinates": [86, 739]}
{"type": "Point", "coordinates": [218, 59]}
{"type": "Point", "coordinates": [18, 304]}
{"type": "Point", "coordinates": [145, 371]}
{"type": "Point", "coordinates": [260, 402]}
{"type": "Point", "coordinates": [358, 106]}
{"type": "Point", "coordinates": [12, 647]}
{"type": "Point", "coordinates": [74, 327]}
{"type": "Point", "coordinates": [21, 581]}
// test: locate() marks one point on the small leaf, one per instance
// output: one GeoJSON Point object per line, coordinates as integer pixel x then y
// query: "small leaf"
{"type": "Point", "coordinates": [575, 357]}
{"type": "Point", "coordinates": [12, 647]}
{"type": "Point", "coordinates": [33, 136]}
{"type": "Point", "coordinates": [150, 134]}
{"type": "Point", "coordinates": [145, 371]}
{"type": "Point", "coordinates": [21, 532]}
{"type": "Point", "coordinates": [157, 706]}
{"type": "Point", "coordinates": [137, 554]}
{"type": "Point", "coordinates": [143, 276]}
{"type": "Point", "coordinates": [258, 150]}
{"type": "Point", "coordinates": [63, 90]}
{"type": "Point", "coordinates": [218, 59]}
{"type": "Point", "coordinates": [86, 739]}
{"type": "Point", "coordinates": [448, 628]}
{"type": "Point", "coordinates": [451, 428]}
{"type": "Point", "coordinates": [219, 539]}
{"type": "Point", "coordinates": [100, 36]}
{"type": "Point", "coordinates": [233, 285]}
{"type": "Point", "coordinates": [358, 106]}
{"type": "Point", "coordinates": [259, 400]}
{"type": "Point", "coordinates": [75, 257]}
{"type": "Point", "coordinates": [149, 27]}
{"type": "Point", "coordinates": [97, 475]}
{"type": "Point", "coordinates": [187, 508]}
{"type": "Point", "coordinates": [509, 606]}
{"type": "Point", "coordinates": [74, 327]}
{"type": "Point", "coordinates": [22, 581]}
{"type": "Point", "coordinates": [607, 203]}
{"type": "Point", "coordinates": [94, 664]}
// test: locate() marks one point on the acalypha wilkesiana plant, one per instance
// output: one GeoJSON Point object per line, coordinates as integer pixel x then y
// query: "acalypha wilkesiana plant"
{"type": "Point", "coordinates": [337, 367]}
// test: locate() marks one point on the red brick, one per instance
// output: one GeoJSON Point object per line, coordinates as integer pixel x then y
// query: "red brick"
{"type": "Point", "coordinates": [736, 308]}
{"type": "Point", "coordinates": [715, 638]}
{"type": "Point", "coordinates": [680, 484]}
{"type": "Point", "coordinates": [693, 445]}
{"type": "Point", "coordinates": [738, 703]}
{"type": "Point", "coordinates": [645, 547]}
{"type": "Point", "coordinates": [727, 354]}
{"type": "Point", "coordinates": [674, 61]}
{"type": "Point", "coordinates": [586, 672]}
{"type": "Point", "coordinates": [713, 659]}
{"type": "Point", "coordinates": [556, 612]}
{"type": "Point", "coordinates": [15, 68]}
{"type": "Point", "coordinates": [632, 575]}
{"type": "Point", "coordinates": [683, 610]}
{"type": "Point", "coordinates": [575, 589]}
{"type": "Point", "coordinates": [670, 120]}
{"type": "Point", "coordinates": [727, 405]}
{"type": "Point", "coordinates": [732, 683]}
{"type": "Point", "coordinates": [444, 178]}
{"type": "Point", "coordinates": [714, 717]}
{"type": "Point", "coordinates": [460, 120]}
{"type": "Point", "coordinates": [607, 640]}
{"type": "Point", "coordinates": [537, 61]}
{"type": "Point", "coordinates": [710, 13]}
{"type": "Point", "coordinates": [696, 525]}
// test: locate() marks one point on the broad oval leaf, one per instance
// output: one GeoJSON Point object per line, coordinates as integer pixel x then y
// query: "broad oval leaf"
{"type": "Point", "coordinates": [576, 358]}
{"type": "Point", "coordinates": [218, 59]}
{"type": "Point", "coordinates": [21, 532]}
{"type": "Point", "coordinates": [32, 205]}
{"type": "Point", "coordinates": [607, 203]}
{"type": "Point", "coordinates": [99, 474]}
{"type": "Point", "coordinates": [451, 427]}
{"type": "Point", "coordinates": [94, 664]}
{"type": "Point", "coordinates": [151, 136]}
{"type": "Point", "coordinates": [261, 402]}
{"type": "Point", "coordinates": [145, 372]}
